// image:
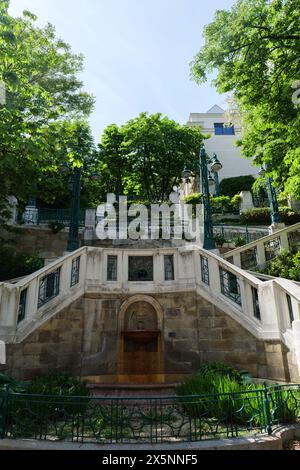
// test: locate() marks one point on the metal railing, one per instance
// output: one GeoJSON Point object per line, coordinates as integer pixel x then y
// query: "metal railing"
{"type": "Point", "coordinates": [249, 234]}
{"type": "Point", "coordinates": [267, 247]}
{"type": "Point", "coordinates": [38, 216]}
{"type": "Point", "coordinates": [154, 420]}
{"type": "Point", "coordinates": [63, 216]}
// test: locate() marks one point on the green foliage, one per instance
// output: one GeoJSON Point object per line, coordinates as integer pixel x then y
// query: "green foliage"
{"type": "Point", "coordinates": [254, 48]}
{"type": "Point", "coordinates": [285, 265]}
{"type": "Point", "coordinates": [145, 157]}
{"type": "Point", "coordinates": [48, 401]}
{"type": "Point", "coordinates": [219, 239]}
{"type": "Point", "coordinates": [9, 384]}
{"type": "Point", "coordinates": [44, 104]}
{"type": "Point", "coordinates": [56, 227]}
{"type": "Point", "coordinates": [213, 382]}
{"type": "Point", "coordinates": [260, 191]}
{"type": "Point", "coordinates": [262, 216]}
{"type": "Point", "coordinates": [195, 198]}
{"type": "Point", "coordinates": [14, 265]}
{"type": "Point", "coordinates": [58, 384]}
{"type": "Point", "coordinates": [236, 200]}
{"type": "Point", "coordinates": [221, 369]}
{"type": "Point", "coordinates": [232, 186]}
{"type": "Point", "coordinates": [213, 378]}
{"type": "Point", "coordinates": [239, 241]}
{"type": "Point", "coordinates": [218, 203]}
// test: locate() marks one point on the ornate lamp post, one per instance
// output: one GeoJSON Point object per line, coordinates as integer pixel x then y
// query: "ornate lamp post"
{"type": "Point", "coordinates": [76, 173]}
{"type": "Point", "coordinates": [275, 215]}
{"type": "Point", "coordinates": [208, 242]}
{"type": "Point", "coordinates": [206, 180]}
{"type": "Point", "coordinates": [216, 166]}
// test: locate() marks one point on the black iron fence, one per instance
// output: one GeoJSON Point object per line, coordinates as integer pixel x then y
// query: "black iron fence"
{"type": "Point", "coordinates": [41, 216]}
{"type": "Point", "coordinates": [144, 419]}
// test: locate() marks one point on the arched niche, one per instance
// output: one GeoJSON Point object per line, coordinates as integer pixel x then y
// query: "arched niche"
{"type": "Point", "coordinates": [141, 345]}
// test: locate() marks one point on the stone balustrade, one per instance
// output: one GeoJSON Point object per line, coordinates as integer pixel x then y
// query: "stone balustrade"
{"type": "Point", "coordinates": [258, 252]}
{"type": "Point", "coordinates": [268, 310]}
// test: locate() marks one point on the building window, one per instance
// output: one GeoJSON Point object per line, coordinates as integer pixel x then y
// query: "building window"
{"type": "Point", "coordinates": [290, 308]}
{"type": "Point", "coordinates": [222, 129]}
{"type": "Point", "coordinates": [75, 272]}
{"type": "Point", "coordinates": [230, 286]}
{"type": "Point", "coordinates": [255, 300]}
{"type": "Point", "coordinates": [140, 268]}
{"type": "Point", "coordinates": [112, 268]}
{"type": "Point", "coordinates": [22, 306]}
{"type": "Point", "coordinates": [49, 287]}
{"type": "Point", "coordinates": [272, 248]}
{"type": "Point", "coordinates": [204, 269]}
{"type": "Point", "coordinates": [169, 268]}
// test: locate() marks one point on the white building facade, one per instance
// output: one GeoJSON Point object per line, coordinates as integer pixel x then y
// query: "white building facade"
{"type": "Point", "coordinates": [223, 143]}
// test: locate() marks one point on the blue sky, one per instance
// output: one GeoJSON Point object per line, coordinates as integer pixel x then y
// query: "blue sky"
{"type": "Point", "coordinates": [137, 53]}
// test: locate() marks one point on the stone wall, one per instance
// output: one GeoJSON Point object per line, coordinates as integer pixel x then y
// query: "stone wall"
{"type": "Point", "coordinates": [38, 240]}
{"type": "Point", "coordinates": [84, 340]}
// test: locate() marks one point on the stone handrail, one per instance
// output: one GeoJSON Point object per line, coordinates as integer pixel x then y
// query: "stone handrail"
{"type": "Point", "coordinates": [258, 245]}
{"type": "Point", "coordinates": [10, 297]}
{"type": "Point", "coordinates": [274, 323]}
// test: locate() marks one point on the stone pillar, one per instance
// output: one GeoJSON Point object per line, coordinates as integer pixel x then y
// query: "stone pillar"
{"type": "Point", "coordinates": [31, 214]}
{"type": "Point", "coordinates": [237, 260]}
{"type": "Point", "coordinates": [90, 223]}
{"type": "Point", "coordinates": [2, 353]}
{"type": "Point", "coordinates": [246, 201]}
{"type": "Point", "coordinates": [261, 254]}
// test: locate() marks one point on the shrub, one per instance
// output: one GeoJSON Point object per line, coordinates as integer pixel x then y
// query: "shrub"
{"type": "Point", "coordinates": [219, 239]}
{"type": "Point", "coordinates": [49, 401]}
{"type": "Point", "coordinates": [57, 384]}
{"type": "Point", "coordinates": [195, 198]}
{"type": "Point", "coordinates": [239, 241]}
{"type": "Point", "coordinates": [14, 265]}
{"type": "Point", "coordinates": [221, 203]}
{"type": "Point", "coordinates": [285, 265]}
{"type": "Point", "coordinates": [260, 191]}
{"type": "Point", "coordinates": [221, 369]}
{"type": "Point", "coordinates": [231, 186]}
{"type": "Point", "coordinates": [8, 383]}
{"type": "Point", "coordinates": [212, 383]}
{"type": "Point", "coordinates": [262, 216]}
{"type": "Point", "coordinates": [209, 379]}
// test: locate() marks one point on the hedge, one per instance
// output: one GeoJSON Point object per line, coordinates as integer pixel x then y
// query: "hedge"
{"type": "Point", "coordinates": [262, 216]}
{"type": "Point", "coordinates": [231, 186]}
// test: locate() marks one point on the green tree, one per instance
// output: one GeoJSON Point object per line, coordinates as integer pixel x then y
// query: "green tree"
{"type": "Point", "coordinates": [145, 157]}
{"type": "Point", "coordinates": [43, 96]}
{"type": "Point", "coordinates": [254, 48]}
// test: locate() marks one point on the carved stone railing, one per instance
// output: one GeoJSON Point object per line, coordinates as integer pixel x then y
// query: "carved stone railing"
{"type": "Point", "coordinates": [269, 310]}
{"type": "Point", "coordinates": [257, 253]}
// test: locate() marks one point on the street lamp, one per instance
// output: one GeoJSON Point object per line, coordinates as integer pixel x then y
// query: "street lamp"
{"type": "Point", "coordinates": [76, 173]}
{"type": "Point", "coordinates": [275, 215]}
{"type": "Point", "coordinates": [208, 242]}
{"type": "Point", "coordinates": [216, 166]}
{"type": "Point", "coordinates": [205, 181]}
